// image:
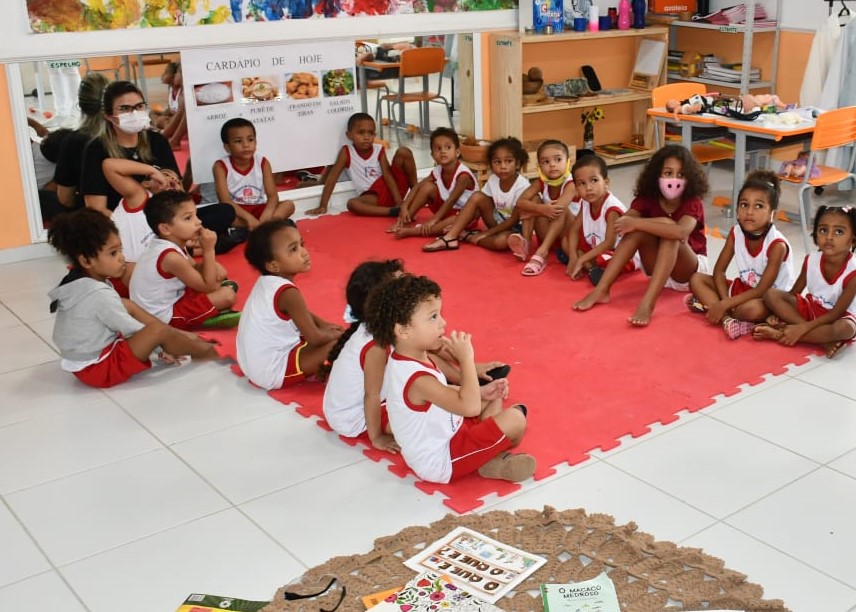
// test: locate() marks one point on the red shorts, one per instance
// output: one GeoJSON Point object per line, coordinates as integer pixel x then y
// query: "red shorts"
{"type": "Point", "coordinates": [117, 365]}
{"type": "Point", "coordinates": [811, 310]}
{"type": "Point", "coordinates": [191, 309]}
{"type": "Point", "coordinates": [474, 444]}
{"type": "Point", "coordinates": [384, 195]}
{"type": "Point", "coordinates": [384, 418]}
{"type": "Point", "coordinates": [255, 210]}
{"type": "Point", "coordinates": [293, 372]}
{"type": "Point", "coordinates": [737, 286]}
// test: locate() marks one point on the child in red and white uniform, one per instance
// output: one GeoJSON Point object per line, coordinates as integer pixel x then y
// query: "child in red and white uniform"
{"type": "Point", "coordinates": [826, 314]}
{"type": "Point", "coordinates": [591, 239]}
{"type": "Point", "coordinates": [444, 432]}
{"type": "Point", "coordinates": [381, 185]}
{"type": "Point", "coordinates": [280, 341]}
{"type": "Point", "coordinates": [102, 339]}
{"type": "Point", "coordinates": [445, 191]}
{"type": "Point", "coordinates": [762, 255]}
{"type": "Point", "coordinates": [245, 180]}
{"type": "Point", "coordinates": [167, 283]}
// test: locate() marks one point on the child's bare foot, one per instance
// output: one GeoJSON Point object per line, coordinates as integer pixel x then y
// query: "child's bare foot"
{"type": "Point", "coordinates": [642, 316]}
{"type": "Point", "coordinates": [775, 322]}
{"type": "Point", "coordinates": [831, 349]}
{"type": "Point", "coordinates": [396, 226]}
{"type": "Point", "coordinates": [408, 232]}
{"type": "Point", "coordinates": [765, 331]}
{"type": "Point", "coordinates": [591, 300]}
{"type": "Point", "coordinates": [514, 467]}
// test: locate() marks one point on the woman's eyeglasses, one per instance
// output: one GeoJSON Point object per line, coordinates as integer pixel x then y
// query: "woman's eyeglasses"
{"type": "Point", "coordinates": [129, 108]}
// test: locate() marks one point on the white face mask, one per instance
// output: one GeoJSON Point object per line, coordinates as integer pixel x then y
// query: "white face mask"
{"type": "Point", "coordinates": [134, 122]}
{"type": "Point", "coordinates": [671, 187]}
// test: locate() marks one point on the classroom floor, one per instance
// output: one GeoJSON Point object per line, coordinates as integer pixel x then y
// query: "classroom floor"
{"type": "Point", "coordinates": [190, 480]}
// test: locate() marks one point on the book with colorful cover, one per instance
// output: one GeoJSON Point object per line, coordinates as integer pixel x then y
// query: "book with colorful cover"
{"type": "Point", "coordinates": [618, 150]}
{"type": "Point", "coordinates": [595, 595]}
{"type": "Point", "coordinates": [208, 603]}
{"type": "Point", "coordinates": [431, 592]}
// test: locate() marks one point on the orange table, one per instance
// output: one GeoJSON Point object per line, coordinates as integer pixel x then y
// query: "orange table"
{"type": "Point", "coordinates": [685, 122]}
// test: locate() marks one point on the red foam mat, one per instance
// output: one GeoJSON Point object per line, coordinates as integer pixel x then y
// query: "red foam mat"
{"type": "Point", "coordinates": [588, 378]}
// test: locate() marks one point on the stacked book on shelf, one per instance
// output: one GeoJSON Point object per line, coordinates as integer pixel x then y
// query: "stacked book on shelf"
{"type": "Point", "coordinates": [729, 72]}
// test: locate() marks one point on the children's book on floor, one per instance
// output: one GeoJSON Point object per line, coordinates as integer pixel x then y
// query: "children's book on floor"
{"type": "Point", "coordinates": [477, 563]}
{"type": "Point", "coordinates": [205, 603]}
{"type": "Point", "coordinates": [429, 592]}
{"type": "Point", "coordinates": [595, 595]}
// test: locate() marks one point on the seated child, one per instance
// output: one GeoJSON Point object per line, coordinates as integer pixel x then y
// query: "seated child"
{"type": "Point", "coordinates": [445, 191]}
{"type": "Point", "coordinates": [160, 118]}
{"type": "Point", "coordinates": [763, 258]}
{"type": "Point", "coordinates": [826, 314]}
{"type": "Point", "coordinates": [545, 206]}
{"type": "Point", "coordinates": [354, 368]}
{"type": "Point", "coordinates": [175, 128]}
{"type": "Point", "coordinates": [444, 432]}
{"type": "Point", "coordinates": [495, 203]}
{"type": "Point", "coordinates": [796, 168]}
{"type": "Point", "coordinates": [591, 238]}
{"type": "Point", "coordinates": [381, 186]}
{"type": "Point", "coordinates": [665, 224]}
{"type": "Point", "coordinates": [167, 283]}
{"type": "Point", "coordinates": [245, 180]}
{"type": "Point", "coordinates": [280, 342]}
{"type": "Point", "coordinates": [102, 339]}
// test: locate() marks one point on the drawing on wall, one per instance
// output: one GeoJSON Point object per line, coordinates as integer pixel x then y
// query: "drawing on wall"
{"type": "Point", "coordinates": [88, 15]}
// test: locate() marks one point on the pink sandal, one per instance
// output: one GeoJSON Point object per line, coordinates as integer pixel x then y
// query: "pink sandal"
{"type": "Point", "coordinates": [534, 267]}
{"type": "Point", "coordinates": [519, 246]}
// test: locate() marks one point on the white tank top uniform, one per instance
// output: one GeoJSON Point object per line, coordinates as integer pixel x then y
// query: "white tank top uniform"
{"type": "Point", "coordinates": [593, 230]}
{"type": "Point", "coordinates": [504, 201]}
{"type": "Point", "coordinates": [364, 171]}
{"type": "Point", "coordinates": [266, 335]}
{"type": "Point", "coordinates": [153, 289]}
{"type": "Point", "coordinates": [823, 292]}
{"type": "Point", "coordinates": [574, 205]}
{"type": "Point", "coordinates": [423, 432]}
{"type": "Point", "coordinates": [134, 230]}
{"type": "Point", "coordinates": [246, 187]}
{"type": "Point", "coordinates": [343, 404]}
{"type": "Point", "coordinates": [172, 100]}
{"type": "Point", "coordinates": [751, 267]}
{"type": "Point", "coordinates": [446, 190]}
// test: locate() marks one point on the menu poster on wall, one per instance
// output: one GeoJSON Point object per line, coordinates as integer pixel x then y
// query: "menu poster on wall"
{"type": "Point", "coordinates": [299, 98]}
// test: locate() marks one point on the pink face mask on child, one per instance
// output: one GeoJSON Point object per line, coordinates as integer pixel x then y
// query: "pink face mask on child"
{"type": "Point", "coordinates": [671, 187]}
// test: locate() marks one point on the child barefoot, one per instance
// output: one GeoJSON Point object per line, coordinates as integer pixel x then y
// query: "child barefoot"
{"type": "Point", "coordinates": [763, 258]}
{"type": "Point", "coordinates": [665, 225]}
{"type": "Point", "coordinates": [444, 432]}
{"type": "Point", "coordinates": [591, 238]}
{"type": "Point", "coordinates": [381, 186]}
{"type": "Point", "coordinates": [826, 314]}
{"type": "Point", "coordinates": [445, 191]}
{"type": "Point", "coordinates": [103, 339]}
{"type": "Point", "coordinates": [280, 341]}
{"type": "Point", "coordinates": [544, 206]}
{"type": "Point", "coordinates": [495, 203]}
{"type": "Point", "coordinates": [355, 365]}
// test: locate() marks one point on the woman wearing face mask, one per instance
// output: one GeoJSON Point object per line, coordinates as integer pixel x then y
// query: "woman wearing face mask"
{"type": "Point", "coordinates": [665, 224]}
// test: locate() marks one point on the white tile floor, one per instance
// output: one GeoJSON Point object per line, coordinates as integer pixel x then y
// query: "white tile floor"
{"type": "Point", "coordinates": [190, 480]}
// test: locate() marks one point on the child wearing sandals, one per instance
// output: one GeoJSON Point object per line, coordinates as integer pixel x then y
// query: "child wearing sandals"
{"type": "Point", "coordinates": [381, 185]}
{"type": "Point", "coordinates": [103, 339]}
{"type": "Point", "coordinates": [591, 238]}
{"type": "Point", "coordinates": [762, 255]}
{"type": "Point", "coordinates": [495, 203]}
{"type": "Point", "coordinates": [354, 368]}
{"type": "Point", "coordinates": [665, 224]}
{"type": "Point", "coordinates": [280, 342]}
{"type": "Point", "coordinates": [444, 432]}
{"type": "Point", "coordinates": [445, 191]}
{"type": "Point", "coordinates": [544, 207]}
{"type": "Point", "coordinates": [826, 314]}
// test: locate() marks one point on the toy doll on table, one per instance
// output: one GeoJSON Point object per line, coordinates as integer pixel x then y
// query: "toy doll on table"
{"type": "Point", "coordinates": [746, 107]}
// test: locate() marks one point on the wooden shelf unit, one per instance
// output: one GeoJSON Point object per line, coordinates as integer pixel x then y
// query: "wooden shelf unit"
{"type": "Point", "coordinates": [611, 53]}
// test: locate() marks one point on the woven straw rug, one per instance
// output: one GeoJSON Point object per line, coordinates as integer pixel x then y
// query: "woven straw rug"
{"type": "Point", "coordinates": [648, 575]}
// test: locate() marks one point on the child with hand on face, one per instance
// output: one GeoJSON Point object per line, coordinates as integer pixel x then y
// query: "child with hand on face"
{"type": "Point", "coordinates": [445, 191]}
{"type": "Point", "coordinates": [826, 313]}
{"type": "Point", "coordinates": [494, 204]}
{"type": "Point", "coordinates": [665, 224]}
{"type": "Point", "coordinates": [167, 282]}
{"type": "Point", "coordinates": [245, 180]}
{"type": "Point", "coordinates": [762, 255]}
{"type": "Point", "coordinates": [545, 206]}
{"type": "Point", "coordinates": [591, 239]}
{"type": "Point", "coordinates": [280, 342]}
{"type": "Point", "coordinates": [104, 339]}
{"type": "Point", "coordinates": [381, 185]}
{"type": "Point", "coordinates": [444, 432]}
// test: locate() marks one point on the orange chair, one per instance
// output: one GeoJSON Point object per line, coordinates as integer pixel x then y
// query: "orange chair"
{"type": "Point", "coordinates": [704, 153]}
{"type": "Point", "coordinates": [835, 128]}
{"type": "Point", "coordinates": [420, 62]}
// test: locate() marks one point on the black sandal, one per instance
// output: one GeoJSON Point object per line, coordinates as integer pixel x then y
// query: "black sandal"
{"type": "Point", "coordinates": [447, 245]}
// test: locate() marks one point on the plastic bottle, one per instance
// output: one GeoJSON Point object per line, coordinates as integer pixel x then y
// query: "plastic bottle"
{"type": "Point", "coordinates": [623, 14]}
{"type": "Point", "coordinates": [640, 7]}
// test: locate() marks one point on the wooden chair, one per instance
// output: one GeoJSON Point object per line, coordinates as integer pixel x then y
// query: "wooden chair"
{"type": "Point", "coordinates": [835, 128]}
{"type": "Point", "coordinates": [420, 62]}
